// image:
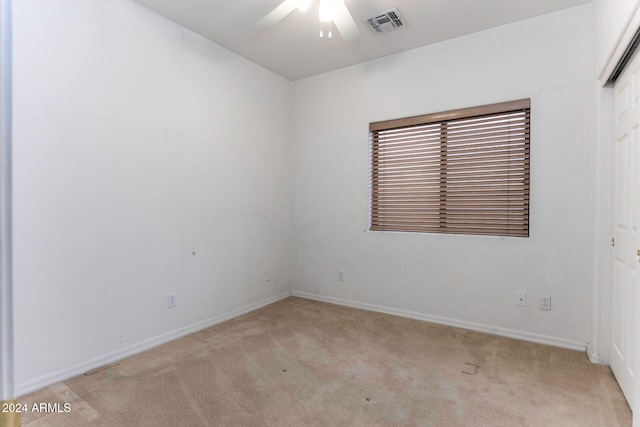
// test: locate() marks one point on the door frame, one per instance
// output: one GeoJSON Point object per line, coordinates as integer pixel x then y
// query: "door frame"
{"type": "Point", "coordinates": [601, 220]}
{"type": "Point", "coordinates": [7, 389]}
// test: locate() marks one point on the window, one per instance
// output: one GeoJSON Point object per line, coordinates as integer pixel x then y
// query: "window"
{"type": "Point", "coordinates": [459, 172]}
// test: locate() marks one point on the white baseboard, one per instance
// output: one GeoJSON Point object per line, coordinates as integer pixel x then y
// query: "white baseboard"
{"type": "Point", "coordinates": [72, 371]}
{"type": "Point", "coordinates": [505, 332]}
{"type": "Point", "coordinates": [594, 357]}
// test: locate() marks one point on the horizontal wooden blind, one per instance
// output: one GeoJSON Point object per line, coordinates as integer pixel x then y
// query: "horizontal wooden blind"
{"type": "Point", "coordinates": [461, 172]}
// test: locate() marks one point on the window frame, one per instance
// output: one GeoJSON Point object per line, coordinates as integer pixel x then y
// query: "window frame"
{"type": "Point", "coordinates": [509, 211]}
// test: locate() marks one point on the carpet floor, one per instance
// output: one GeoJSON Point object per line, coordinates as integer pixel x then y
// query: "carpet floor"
{"type": "Point", "coordinates": [306, 363]}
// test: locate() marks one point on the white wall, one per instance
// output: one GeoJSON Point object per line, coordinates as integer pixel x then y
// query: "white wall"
{"type": "Point", "coordinates": [462, 280]}
{"type": "Point", "coordinates": [147, 160]}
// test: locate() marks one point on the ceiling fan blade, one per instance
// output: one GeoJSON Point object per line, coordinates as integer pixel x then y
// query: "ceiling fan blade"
{"type": "Point", "coordinates": [277, 14]}
{"type": "Point", "coordinates": [344, 22]}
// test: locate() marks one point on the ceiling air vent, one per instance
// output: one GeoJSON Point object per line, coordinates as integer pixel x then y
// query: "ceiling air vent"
{"type": "Point", "coordinates": [384, 22]}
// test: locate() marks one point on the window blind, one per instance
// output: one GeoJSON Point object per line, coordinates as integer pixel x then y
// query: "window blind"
{"type": "Point", "coordinates": [461, 172]}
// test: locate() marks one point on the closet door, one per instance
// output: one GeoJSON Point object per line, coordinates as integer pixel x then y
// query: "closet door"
{"type": "Point", "coordinates": [626, 218]}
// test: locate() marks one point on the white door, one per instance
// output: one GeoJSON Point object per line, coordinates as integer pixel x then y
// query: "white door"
{"type": "Point", "coordinates": [626, 218]}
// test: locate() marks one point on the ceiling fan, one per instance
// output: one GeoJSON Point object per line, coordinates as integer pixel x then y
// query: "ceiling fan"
{"type": "Point", "coordinates": [328, 11]}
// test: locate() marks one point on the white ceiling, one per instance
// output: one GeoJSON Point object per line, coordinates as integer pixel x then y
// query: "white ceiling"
{"type": "Point", "coordinates": [293, 48]}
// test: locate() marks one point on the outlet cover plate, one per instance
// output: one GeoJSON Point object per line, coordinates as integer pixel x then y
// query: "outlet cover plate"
{"type": "Point", "coordinates": [171, 300]}
{"type": "Point", "coordinates": [545, 302]}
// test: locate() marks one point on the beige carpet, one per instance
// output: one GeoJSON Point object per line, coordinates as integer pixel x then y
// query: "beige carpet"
{"type": "Point", "coordinates": [306, 363]}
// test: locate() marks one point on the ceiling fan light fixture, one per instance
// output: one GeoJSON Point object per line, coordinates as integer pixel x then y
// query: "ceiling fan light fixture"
{"type": "Point", "coordinates": [325, 30]}
{"type": "Point", "coordinates": [325, 11]}
{"type": "Point", "coordinates": [330, 13]}
{"type": "Point", "coordinates": [303, 5]}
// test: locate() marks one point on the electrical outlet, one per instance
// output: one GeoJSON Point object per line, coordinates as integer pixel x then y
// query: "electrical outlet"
{"type": "Point", "coordinates": [267, 275]}
{"type": "Point", "coordinates": [545, 302]}
{"type": "Point", "coordinates": [341, 276]}
{"type": "Point", "coordinates": [171, 300]}
{"type": "Point", "coordinates": [521, 299]}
